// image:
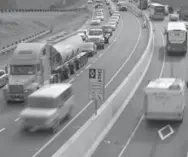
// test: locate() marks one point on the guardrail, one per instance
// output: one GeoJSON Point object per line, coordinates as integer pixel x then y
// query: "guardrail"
{"type": "Point", "coordinates": [89, 136]}
{"type": "Point", "coordinates": [27, 39]}
{"type": "Point", "coordinates": [42, 10]}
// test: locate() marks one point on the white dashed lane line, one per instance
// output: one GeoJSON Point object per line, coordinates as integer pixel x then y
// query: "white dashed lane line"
{"type": "Point", "coordinates": [88, 66]}
{"type": "Point", "coordinates": [3, 129]}
{"type": "Point", "coordinates": [17, 119]}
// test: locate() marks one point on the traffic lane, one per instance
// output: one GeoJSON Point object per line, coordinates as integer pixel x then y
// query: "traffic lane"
{"type": "Point", "coordinates": [120, 133]}
{"type": "Point", "coordinates": [9, 113]}
{"type": "Point", "coordinates": [89, 108]}
{"type": "Point", "coordinates": [33, 147]}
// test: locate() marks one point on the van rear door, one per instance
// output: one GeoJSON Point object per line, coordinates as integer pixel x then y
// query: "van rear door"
{"type": "Point", "coordinates": [168, 102]}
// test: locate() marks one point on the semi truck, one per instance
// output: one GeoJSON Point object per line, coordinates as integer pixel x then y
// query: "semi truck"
{"type": "Point", "coordinates": [36, 64]}
{"type": "Point", "coordinates": [165, 99]}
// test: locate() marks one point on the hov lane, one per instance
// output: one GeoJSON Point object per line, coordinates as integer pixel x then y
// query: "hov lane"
{"type": "Point", "coordinates": [132, 135]}
{"type": "Point", "coordinates": [28, 145]}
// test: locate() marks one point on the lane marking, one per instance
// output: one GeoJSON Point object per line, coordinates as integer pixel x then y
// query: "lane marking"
{"type": "Point", "coordinates": [75, 117]}
{"type": "Point", "coordinates": [130, 55]}
{"type": "Point", "coordinates": [100, 55]}
{"type": "Point", "coordinates": [17, 119]}
{"type": "Point", "coordinates": [137, 126]}
{"type": "Point", "coordinates": [71, 80]}
{"type": "Point", "coordinates": [171, 131]}
{"type": "Point", "coordinates": [3, 129]}
{"type": "Point", "coordinates": [77, 74]}
{"type": "Point", "coordinates": [81, 71]}
{"type": "Point", "coordinates": [164, 57]}
{"type": "Point", "coordinates": [88, 66]}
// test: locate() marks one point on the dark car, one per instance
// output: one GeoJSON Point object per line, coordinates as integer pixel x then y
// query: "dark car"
{"type": "Point", "coordinates": [90, 48]}
{"type": "Point", "coordinates": [123, 8]}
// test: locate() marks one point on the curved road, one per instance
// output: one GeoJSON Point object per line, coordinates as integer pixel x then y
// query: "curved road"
{"type": "Point", "coordinates": [132, 136]}
{"type": "Point", "coordinates": [119, 57]}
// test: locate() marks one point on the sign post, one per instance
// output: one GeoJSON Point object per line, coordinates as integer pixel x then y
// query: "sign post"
{"type": "Point", "coordinates": [96, 86]}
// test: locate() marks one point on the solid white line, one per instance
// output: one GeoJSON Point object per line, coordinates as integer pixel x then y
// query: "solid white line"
{"type": "Point", "coordinates": [72, 120]}
{"type": "Point", "coordinates": [164, 58]}
{"type": "Point", "coordinates": [130, 55]}
{"type": "Point", "coordinates": [1, 130]}
{"type": "Point", "coordinates": [71, 80]}
{"type": "Point", "coordinates": [130, 138]}
{"type": "Point", "coordinates": [17, 119]}
{"type": "Point", "coordinates": [100, 55]}
{"type": "Point", "coordinates": [88, 66]}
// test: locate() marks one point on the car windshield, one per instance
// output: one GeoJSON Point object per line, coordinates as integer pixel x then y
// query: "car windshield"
{"type": "Point", "coordinates": [2, 73]}
{"type": "Point", "coordinates": [106, 27]}
{"type": "Point", "coordinates": [22, 69]}
{"type": "Point", "coordinates": [95, 32]}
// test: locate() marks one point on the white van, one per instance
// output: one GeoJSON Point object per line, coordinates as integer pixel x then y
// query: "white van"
{"type": "Point", "coordinates": [47, 107]}
{"type": "Point", "coordinates": [165, 99]}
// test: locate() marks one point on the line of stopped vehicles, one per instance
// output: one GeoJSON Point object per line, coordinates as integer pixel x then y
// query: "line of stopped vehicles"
{"type": "Point", "coordinates": [36, 72]}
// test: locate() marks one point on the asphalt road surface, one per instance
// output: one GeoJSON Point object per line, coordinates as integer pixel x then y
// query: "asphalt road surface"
{"type": "Point", "coordinates": [132, 135]}
{"type": "Point", "coordinates": [118, 58]}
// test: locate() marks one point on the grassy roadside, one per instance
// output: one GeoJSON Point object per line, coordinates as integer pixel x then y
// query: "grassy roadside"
{"type": "Point", "coordinates": [16, 26]}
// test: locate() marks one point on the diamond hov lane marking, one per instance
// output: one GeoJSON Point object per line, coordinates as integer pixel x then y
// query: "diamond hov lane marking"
{"type": "Point", "coordinates": [165, 132]}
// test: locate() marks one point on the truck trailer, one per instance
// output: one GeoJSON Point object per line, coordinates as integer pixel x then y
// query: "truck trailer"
{"type": "Point", "coordinates": [36, 64]}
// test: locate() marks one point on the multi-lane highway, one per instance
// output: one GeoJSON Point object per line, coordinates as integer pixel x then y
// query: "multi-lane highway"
{"type": "Point", "coordinates": [119, 57]}
{"type": "Point", "coordinates": [132, 135]}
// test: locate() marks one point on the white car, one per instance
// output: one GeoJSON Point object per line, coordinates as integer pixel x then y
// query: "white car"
{"type": "Point", "coordinates": [116, 14]}
{"type": "Point", "coordinates": [173, 17]}
{"type": "Point", "coordinates": [113, 20]}
{"type": "Point", "coordinates": [89, 1]}
{"type": "Point", "coordinates": [101, 17]}
{"type": "Point", "coordinates": [95, 22]}
{"type": "Point", "coordinates": [3, 78]}
{"type": "Point", "coordinates": [99, 13]}
{"type": "Point", "coordinates": [112, 23]}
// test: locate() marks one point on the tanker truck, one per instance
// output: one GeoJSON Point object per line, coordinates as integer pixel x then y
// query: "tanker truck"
{"type": "Point", "coordinates": [36, 64]}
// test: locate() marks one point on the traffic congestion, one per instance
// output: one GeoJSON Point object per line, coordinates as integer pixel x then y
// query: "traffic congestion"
{"type": "Point", "coordinates": [40, 74]}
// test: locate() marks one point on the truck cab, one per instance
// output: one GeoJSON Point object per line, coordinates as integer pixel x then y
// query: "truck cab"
{"type": "Point", "coordinates": [30, 68]}
{"type": "Point", "coordinates": [164, 99]}
{"type": "Point", "coordinates": [97, 36]}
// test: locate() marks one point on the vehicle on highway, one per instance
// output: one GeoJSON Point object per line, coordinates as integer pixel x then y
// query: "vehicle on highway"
{"type": "Point", "coordinates": [113, 19]}
{"type": "Point", "coordinates": [95, 21]}
{"type": "Point", "coordinates": [165, 99]}
{"type": "Point", "coordinates": [123, 8]}
{"type": "Point", "coordinates": [173, 17]}
{"type": "Point", "coordinates": [47, 107]}
{"type": "Point", "coordinates": [156, 11]}
{"type": "Point", "coordinates": [90, 48]}
{"type": "Point", "coordinates": [3, 78]}
{"type": "Point", "coordinates": [112, 22]}
{"type": "Point", "coordinates": [176, 38]}
{"type": "Point", "coordinates": [99, 10]}
{"type": "Point", "coordinates": [116, 14]}
{"type": "Point", "coordinates": [101, 17]}
{"type": "Point", "coordinates": [99, 5]}
{"type": "Point", "coordinates": [34, 64]}
{"type": "Point", "coordinates": [99, 14]}
{"type": "Point", "coordinates": [186, 24]}
{"type": "Point", "coordinates": [112, 25]}
{"type": "Point", "coordinates": [107, 29]}
{"type": "Point", "coordinates": [89, 1]}
{"type": "Point", "coordinates": [82, 33]}
{"type": "Point", "coordinates": [97, 36]}
{"type": "Point", "coordinates": [183, 13]}
{"type": "Point", "coordinates": [143, 4]}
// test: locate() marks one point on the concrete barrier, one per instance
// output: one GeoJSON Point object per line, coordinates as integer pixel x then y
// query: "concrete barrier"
{"type": "Point", "coordinates": [88, 137]}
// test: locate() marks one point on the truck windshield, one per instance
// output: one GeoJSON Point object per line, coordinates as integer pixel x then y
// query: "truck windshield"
{"type": "Point", "coordinates": [95, 32]}
{"type": "Point", "coordinates": [22, 69]}
{"type": "Point", "coordinates": [41, 103]}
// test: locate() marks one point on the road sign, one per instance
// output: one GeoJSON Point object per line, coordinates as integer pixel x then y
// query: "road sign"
{"type": "Point", "coordinates": [96, 84]}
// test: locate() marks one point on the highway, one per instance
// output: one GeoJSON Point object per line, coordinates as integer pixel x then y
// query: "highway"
{"type": "Point", "coordinates": [132, 135]}
{"type": "Point", "coordinates": [118, 58]}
